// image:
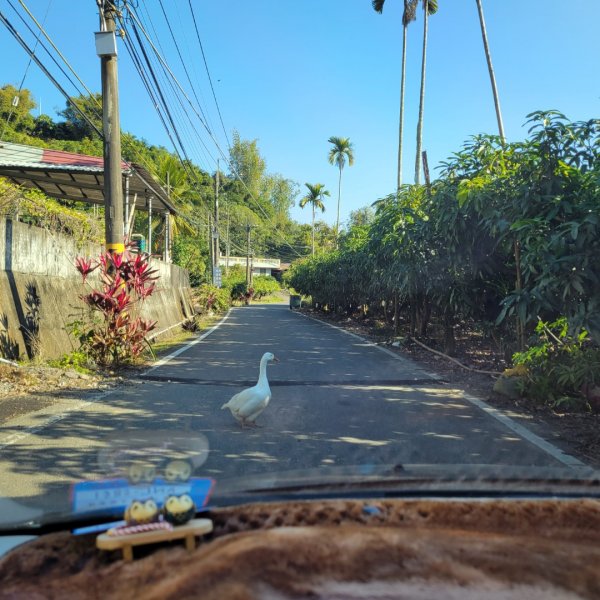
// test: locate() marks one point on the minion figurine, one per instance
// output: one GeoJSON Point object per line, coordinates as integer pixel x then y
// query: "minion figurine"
{"type": "Point", "coordinates": [179, 509]}
{"type": "Point", "coordinates": [141, 512]}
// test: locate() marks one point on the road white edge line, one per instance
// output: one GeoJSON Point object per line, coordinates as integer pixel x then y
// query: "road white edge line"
{"type": "Point", "coordinates": [433, 376]}
{"type": "Point", "coordinates": [176, 353]}
{"type": "Point", "coordinates": [536, 440]}
{"type": "Point", "coordinates": [15, 437]}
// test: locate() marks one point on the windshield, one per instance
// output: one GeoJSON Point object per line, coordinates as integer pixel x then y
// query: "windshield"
{"type": "Point", "coordinates": [259, 246]}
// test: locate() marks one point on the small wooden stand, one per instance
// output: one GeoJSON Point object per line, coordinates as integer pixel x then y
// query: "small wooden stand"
{"type": "Point", "coordinates": [189, 531]}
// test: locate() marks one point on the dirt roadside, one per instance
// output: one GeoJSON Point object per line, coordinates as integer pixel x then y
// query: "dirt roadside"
{"type": "Point", "coordinates": [28, 388]}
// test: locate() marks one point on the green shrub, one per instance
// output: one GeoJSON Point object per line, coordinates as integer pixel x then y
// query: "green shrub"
{"type": "Point", "coordinates": [264, 285]}
{"type": "Point", "coordinates": [560, 368]}
{"type": "Point", "coordinates": [241, 292]}
{"type": "Point", "coordinates": [236, 275]}
{"type": "Point", "coordinates": [212, 298]}
{"type": "Point", "coordinates": [76, 360]}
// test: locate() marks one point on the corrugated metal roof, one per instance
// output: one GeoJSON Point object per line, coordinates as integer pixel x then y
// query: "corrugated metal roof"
{"type": "Point", "coordinates": [71, 176]}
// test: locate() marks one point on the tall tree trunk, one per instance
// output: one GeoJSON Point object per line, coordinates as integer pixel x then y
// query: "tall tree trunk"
{"type": "Point", "coordinates": [413, 318]}
{"type": "Point", "coordinates": [519, 287]}
{"type": "Point", "coordinates": [337, 223]}
{"type": "Point", "coordinates": [313, 229]}
{"type": "Point", "coordinates": [425, 316]}
{"type": "Point", "coordinates": [401, 127]}
{"type": "Point", "coordinates": [422, 95]}
{"type": "Point", "coordinates": [491, 71]}
{"type": "Point", "coordinates": [449, 339]}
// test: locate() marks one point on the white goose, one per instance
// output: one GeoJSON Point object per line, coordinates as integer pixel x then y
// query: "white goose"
{"type": "Point", "coordinates": [249, 403]}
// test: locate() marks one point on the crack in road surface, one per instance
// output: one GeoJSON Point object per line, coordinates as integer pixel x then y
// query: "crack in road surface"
{"type": "Point", "coordinates": [291, 383]}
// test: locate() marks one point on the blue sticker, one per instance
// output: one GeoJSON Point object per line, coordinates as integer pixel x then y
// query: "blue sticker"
{"type": "Point", "coordinates": [118, 494]}
{"type": "Point", "coordinates": [371, 510]}
{"type": "Point", "coordinates": [98, 528]}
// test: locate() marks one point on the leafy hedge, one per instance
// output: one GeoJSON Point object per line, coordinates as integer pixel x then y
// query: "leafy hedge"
{"type": "Point", "coordinates": [507, 236]}
{"type": "Point", "coordinates": [211, 298]}
{"type": "Point", "coordinates": [234, 288]}
{"type": "Point", "coordinates": [264, 285]}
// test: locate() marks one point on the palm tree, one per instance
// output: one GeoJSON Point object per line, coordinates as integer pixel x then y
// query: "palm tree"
{"type": "Point", "coordinates": [315, 198]}
{"type": "Point", "coordinates": [491, 71]}
{"type": "Point", "coordinates": [430, 7]}
{"type": "Point", "coordinates": [342, 149]}
{"type": "Point", "coordinates": [409, 14]}
{"type": "Point", "coordinates": [516, 246]}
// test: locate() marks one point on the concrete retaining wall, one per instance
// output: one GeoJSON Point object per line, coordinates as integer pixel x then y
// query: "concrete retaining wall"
{"type": "Point", "coordinates": [40, 292]}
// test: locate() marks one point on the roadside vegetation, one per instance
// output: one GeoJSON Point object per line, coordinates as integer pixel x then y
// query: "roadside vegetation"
{"type": "Point", "coordinates": [506, 240]}
{"type": "Point", "coordinates": [234, 291]}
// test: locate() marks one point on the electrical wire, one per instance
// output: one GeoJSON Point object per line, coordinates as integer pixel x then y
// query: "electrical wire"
{"type": "Point", "coordinates": [13, 107]}
{"type": "Point", "coordinates": [187, 162]}
{"type": "Point", "coordinates": [178, 106]}
{"type": "Point", "coordinates": [181, 57]}
{"type": "Point", "coordinates": [231, 166]}
{"type": "Point", "coordinates": [208, 74]}
{"type": "Point", "coordinates": [44, 69]}
{"type": "Point", "coordinates": [62, 70]}
{"type": "Point", "coordinates": [30, 52]}
{"type": "Point", "coordinates": [43, 32]}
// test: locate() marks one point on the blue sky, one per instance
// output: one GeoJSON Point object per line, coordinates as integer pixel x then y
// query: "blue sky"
{"type": "Point", "coordinates": [292, 73]}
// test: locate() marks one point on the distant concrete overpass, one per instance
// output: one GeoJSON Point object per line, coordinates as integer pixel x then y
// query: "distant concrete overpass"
{"type": "Point", "coordinates": [259, 265]}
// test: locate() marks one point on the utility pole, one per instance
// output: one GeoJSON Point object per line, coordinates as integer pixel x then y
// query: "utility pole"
{"type": "Point", "coordinates": [248, 272]}
{"type": "Point", "coordinates": [227, 244]}
{"type": "Point", "coordinates": [106, 48]}
{"type": "Point", "coordinates": [211, 249]}
{"type": "Point", "coordinates": [426, 170]}
{"type": "Point", "coordinates": [167, 217]}
{"type": "Point", "coordinates": [216, 251]}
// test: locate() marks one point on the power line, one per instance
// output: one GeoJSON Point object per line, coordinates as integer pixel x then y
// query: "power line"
{"type": "Point", "coordinates": [13, 107]}
{"type": "Point", "coordinates": [40, 27]}
{"type": "Point", "coordinates": [62, 70]}
{"type": "Point", "coordinates": [193, 63]}
{"type": "Point", "coordinates": [158, 98]}
{"type": "Point", "coordinates": [43, 31]}
{"type": "Point", "coordinates": [69, 99]}
{"type": "Point", "coordinates": [178, 104]}
{"type": "Point", "coordinates": [181, 57]}
{"type": "Point", "coordinates": [168, 74]}
{"type": "Point", "coordinates": [231, 166]}
{"type": "Point", "coordinates": [208, 73]}
{"type": "Point", "coordinates": [44, 69]}
{"type": "Point", "coordinates": [30, 52]}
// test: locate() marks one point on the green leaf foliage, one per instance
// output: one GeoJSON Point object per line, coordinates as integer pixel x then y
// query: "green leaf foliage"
{"type": "Point", "coordinates": [506, 231]}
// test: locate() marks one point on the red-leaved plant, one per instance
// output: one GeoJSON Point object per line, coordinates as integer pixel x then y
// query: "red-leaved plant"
{"type": "Point", "coordinates": [126, 281]}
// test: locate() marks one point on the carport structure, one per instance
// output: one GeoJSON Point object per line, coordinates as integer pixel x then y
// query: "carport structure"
{"type": "Point", "coordinates": [79, 177]}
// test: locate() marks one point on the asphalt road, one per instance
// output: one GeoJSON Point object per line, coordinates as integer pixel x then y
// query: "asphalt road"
{"type": "Point", "coordinates": [337, 401]}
